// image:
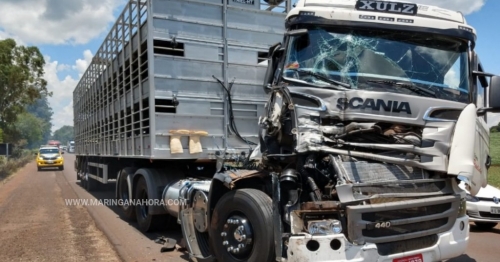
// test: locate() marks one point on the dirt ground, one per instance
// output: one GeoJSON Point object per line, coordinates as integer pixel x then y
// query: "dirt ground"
{"type": "Point", "coordinates": [37, 225]}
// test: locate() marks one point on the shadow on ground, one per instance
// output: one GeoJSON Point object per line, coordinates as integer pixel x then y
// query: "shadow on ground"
{"type": "Point", "coordinates": [107, 191]}
{"type": "Point", "coordinates": [462, 258]}
{"type": "Point", "coordinates": [475, 229]}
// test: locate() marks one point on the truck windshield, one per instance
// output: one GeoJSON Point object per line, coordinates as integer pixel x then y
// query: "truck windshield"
{"type": "Point", "coordinates": [380, 60]}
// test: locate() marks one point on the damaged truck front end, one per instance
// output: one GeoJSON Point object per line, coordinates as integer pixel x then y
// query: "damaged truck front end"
{"type": "Point", "coordinates": [371, 131]}
{"type": "Point", "coordinates": [358, 189]}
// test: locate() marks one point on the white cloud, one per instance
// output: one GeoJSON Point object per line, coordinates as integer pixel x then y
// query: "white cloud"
{"type": "Point", "coordinates": [56, 21]}
{"type": "Point", "coordinates": [64, 116]}
{"type": "Point", "coordinates": [452, 79]}
{"type": "Point", "coordinates": [464, 6]}
{"type": "Point", "coordinates": [82, 64]}
{"type": "Point", "coordinates": [5, 35]}
{"type": "Point", "coordinates": [493, 119]}
{"type": "Point", "coordinates": [62, 98]}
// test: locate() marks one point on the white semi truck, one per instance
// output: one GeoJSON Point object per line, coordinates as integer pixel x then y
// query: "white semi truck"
{"type": "Point", "coordinates": [369, 115]}
{"type": "Point", "coordinates": [71, 146]}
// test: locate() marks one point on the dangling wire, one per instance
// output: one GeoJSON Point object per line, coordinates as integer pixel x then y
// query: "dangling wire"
{"type": "Point", "coordinates": [232, 123]}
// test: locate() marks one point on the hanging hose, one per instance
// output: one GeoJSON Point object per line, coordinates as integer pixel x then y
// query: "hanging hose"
{"type": "Point", "coordinates": [232, 123]}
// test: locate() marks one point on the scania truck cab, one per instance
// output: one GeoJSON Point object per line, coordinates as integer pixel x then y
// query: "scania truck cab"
{"type": "Point", "coordinates": [380, 107]}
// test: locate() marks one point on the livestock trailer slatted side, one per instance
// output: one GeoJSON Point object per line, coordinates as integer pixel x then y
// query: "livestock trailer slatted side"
{"type": "Point", "coordinates": [163, 52]}
{"type": "Point", "coordinates": [99, 122]}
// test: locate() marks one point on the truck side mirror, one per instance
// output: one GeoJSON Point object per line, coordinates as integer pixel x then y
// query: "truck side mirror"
{"type": "Point", "coordinates": [275, 52]}
{"type": "Point", "coordinates": [494, 95]}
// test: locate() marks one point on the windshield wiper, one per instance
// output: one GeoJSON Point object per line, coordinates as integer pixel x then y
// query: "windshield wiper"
{"type": "Point", "coordinates": [321, 77]}
{"type": "Point", "coordinates": [407, 85]}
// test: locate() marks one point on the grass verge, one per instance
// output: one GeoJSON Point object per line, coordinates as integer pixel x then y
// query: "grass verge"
{"type": "Point", "coordinates": [494, 176]}
{"type": "Point", "coordinates": [11, 165]}
{"type": "Point", "coordinates": [494, 171]}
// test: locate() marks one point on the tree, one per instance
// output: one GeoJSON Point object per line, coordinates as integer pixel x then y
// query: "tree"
{"type": "Point", "coordinates": [63, 134]}
{"type": "Point", "coordinates": [29, 128]}
{"type": "Point", "coordinates": [21, 81]}
{"type": "Point", "coordinates": [43, 111]}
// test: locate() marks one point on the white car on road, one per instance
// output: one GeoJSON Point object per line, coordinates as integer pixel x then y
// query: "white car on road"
{"type": "Point", "coordinates": [484, 208]}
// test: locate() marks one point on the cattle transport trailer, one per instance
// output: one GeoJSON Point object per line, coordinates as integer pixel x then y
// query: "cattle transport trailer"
{"type": "Point", "coordinates": [152, 104]}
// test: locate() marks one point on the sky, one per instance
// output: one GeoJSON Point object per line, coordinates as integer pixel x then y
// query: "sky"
{"type": "Point", "coordinates": [69, 32]}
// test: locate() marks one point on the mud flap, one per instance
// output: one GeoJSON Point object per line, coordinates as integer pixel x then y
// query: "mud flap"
{"type": "Point", "coordinates": [189, 235]}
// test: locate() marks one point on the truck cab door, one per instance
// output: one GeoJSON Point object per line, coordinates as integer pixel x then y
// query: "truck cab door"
{"type": "Point", "coordinates": [469, 154]}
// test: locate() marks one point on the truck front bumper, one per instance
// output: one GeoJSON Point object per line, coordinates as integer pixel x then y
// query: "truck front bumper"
{"type": "Point", "coordinates": [449, 244]}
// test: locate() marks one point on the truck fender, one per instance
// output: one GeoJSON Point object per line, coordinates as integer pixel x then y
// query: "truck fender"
{"type": "Point", "coordinates": [224, 182]}
{"type": "Point", "coordinates": [156, 181]}
{"type": "Point", "coordinates": [217, 190]}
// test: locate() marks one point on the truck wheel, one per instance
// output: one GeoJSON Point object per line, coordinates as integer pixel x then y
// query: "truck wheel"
{"type": "Point", "coordinates": [242, 227]}
{"type": "Point", "coordinates": [123, 194]}
{"type": "Point", "coordinates": [146, 221]}
{"type": "Point", "coordinates": [485, 225]}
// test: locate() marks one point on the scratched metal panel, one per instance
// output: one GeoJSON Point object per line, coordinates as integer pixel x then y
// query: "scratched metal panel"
{"type": "Point", "coordinates": [196, 20]}
{"type": "Point", "coordinates": [177, 67]}
{"type": "Point", "coordinates": [187, 19]}
{"type": "Point", "coordinates": [194, 77]}
{"type": "Point", "coordinates": [203, 51]}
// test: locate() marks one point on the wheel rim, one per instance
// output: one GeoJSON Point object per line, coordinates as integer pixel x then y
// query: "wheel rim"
{"type": "Point", "coordinates": [237, 236]}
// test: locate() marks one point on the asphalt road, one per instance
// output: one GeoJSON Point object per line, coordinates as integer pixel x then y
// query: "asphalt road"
{"type": "Point", "coordinates": [37, 225]}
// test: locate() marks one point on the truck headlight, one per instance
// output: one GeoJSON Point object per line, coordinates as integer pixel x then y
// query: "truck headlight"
{"type": "Point", "coordinates": [324, 227]}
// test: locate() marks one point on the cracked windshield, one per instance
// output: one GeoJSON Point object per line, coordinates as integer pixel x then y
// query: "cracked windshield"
{"type": "Point", "coordinates": [376, 60]}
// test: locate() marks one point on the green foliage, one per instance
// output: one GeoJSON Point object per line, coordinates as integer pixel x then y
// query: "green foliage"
{"type": "Point", "coordinates": [1, 135]}
{"type": "Point", "coordinates": [495, 148]}
{"type": "Point", "coordinates": [494, 171]}
{"type": "Point", "coordinates": [30, 128]}
{"type": "Point", "coordinates": [21, 82]}
{"type": "Point", "coordinates": [494, 176]}
{"type": "Point", "coordinates": [64, 134]}
{"type": "Point", "coordinates": [43, 111]}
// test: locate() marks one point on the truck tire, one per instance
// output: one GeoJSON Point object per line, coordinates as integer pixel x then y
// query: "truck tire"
{"type": "Point", "coordinates": [122, 192]}
{"type": "Point", "coordinates": [239, 216]}
{"type": "Point", "coordinates": [146, 221]}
